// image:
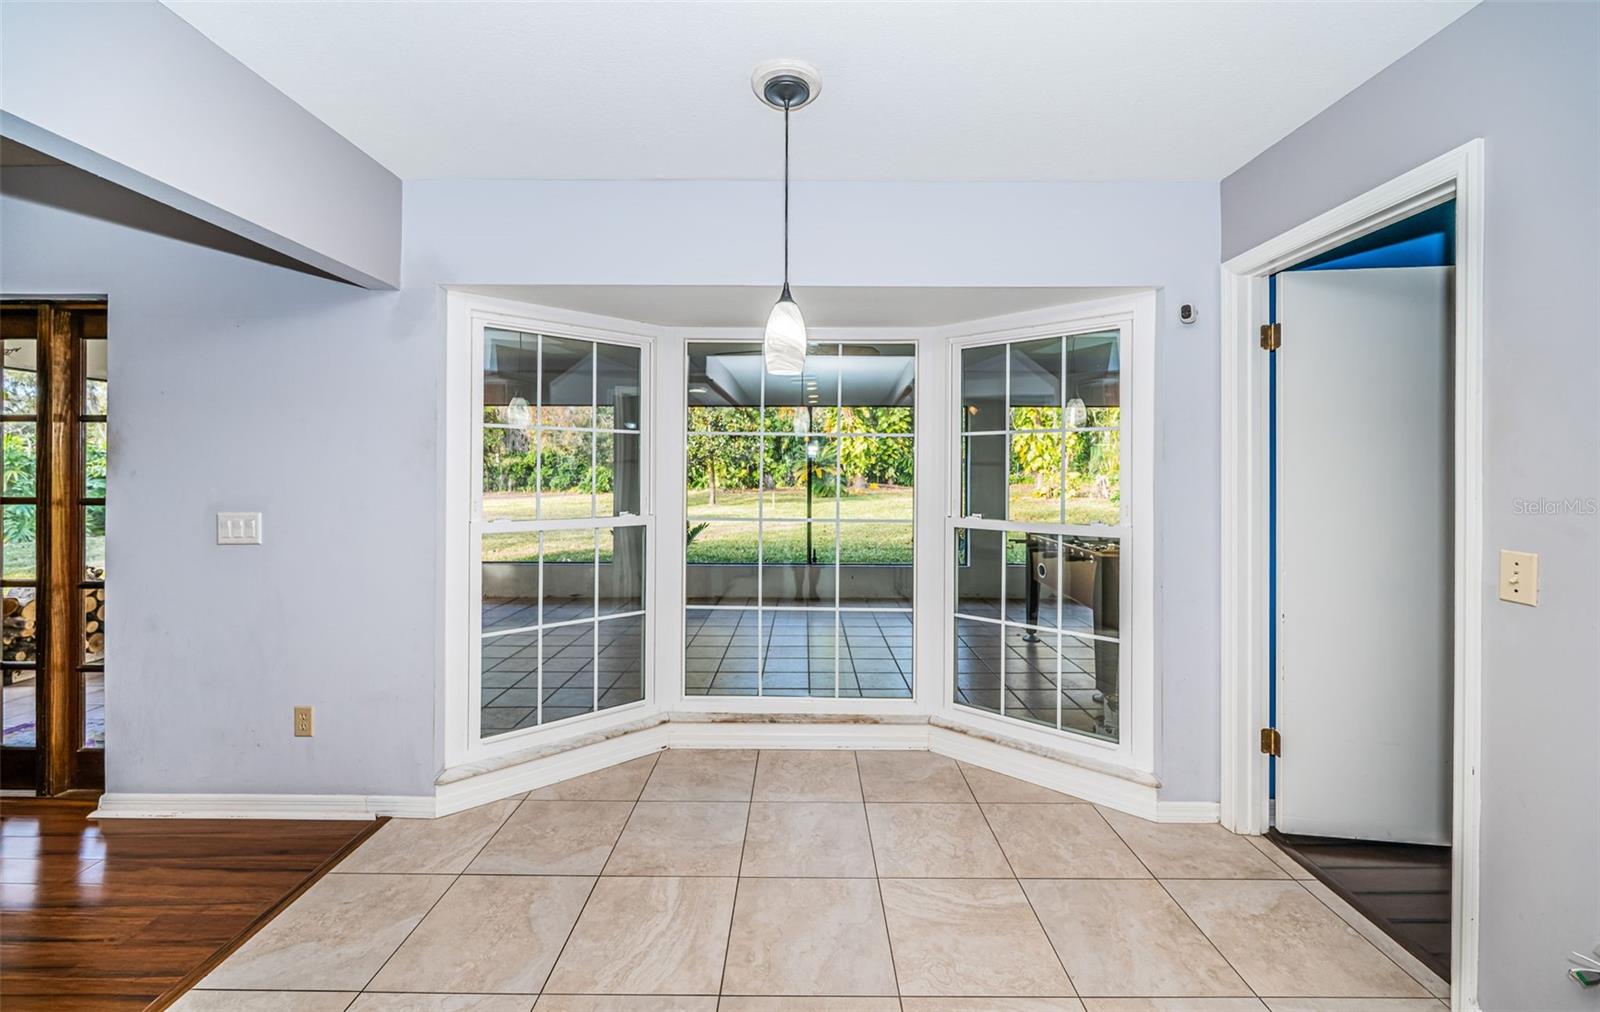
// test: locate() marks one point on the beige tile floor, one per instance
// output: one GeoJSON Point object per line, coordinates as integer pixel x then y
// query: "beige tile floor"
{"type": "Point", "coordinates": [737, 881]}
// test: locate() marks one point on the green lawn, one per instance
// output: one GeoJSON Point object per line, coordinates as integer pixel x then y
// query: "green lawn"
{"type": "Point", "coordinates": [731, 534]}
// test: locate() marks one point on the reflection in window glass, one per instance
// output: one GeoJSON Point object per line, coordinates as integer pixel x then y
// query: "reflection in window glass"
{"type": "Point", "coordinates": [794, 486]}
{"type": "Point", "coordinates": [563, 602]}
{"type": "Point", "coordinates": [1037, 612]}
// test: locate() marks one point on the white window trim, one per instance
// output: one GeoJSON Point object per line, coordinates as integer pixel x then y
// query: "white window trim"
{"type": "Point", "coordinates": [1139, 730]}
{"type": "Point", "coordinates": [461, 502]}
{"type": "Point", "coordinates": [664, 445]}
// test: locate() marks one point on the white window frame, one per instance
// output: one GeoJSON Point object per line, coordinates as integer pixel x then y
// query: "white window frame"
{"type": "Point", "coordinates": [462, 507]}
{"type": "Point", "coordinates": [1139, 710]}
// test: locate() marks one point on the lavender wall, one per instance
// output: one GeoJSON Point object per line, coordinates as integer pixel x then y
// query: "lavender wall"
{"type": "Point", "coordinates": [1526, 78]}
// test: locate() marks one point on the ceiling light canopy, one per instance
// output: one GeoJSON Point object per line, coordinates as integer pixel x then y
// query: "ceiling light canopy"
{"type": "Point", "coordinates": [786, 85]}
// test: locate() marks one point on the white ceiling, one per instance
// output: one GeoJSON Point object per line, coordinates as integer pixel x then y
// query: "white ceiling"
{"type": "Point", "coordinates": [824, 306]}
{"type": "Point", "coordinates": [911, 91]}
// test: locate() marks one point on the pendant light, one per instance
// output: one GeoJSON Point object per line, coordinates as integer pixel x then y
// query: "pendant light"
{"type": "Point", "coordinates": [787, 85]}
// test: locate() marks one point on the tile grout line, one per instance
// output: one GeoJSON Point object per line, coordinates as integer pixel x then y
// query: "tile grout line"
{"type": "Point", "coordinates": [596, 883]}
{"type": "Point", "coordinates": [437, 900]}
{"type": "Point", "coordinates": [877, 879]}
{"type": "Point", "coordinates": [1181, 909]}
{"type": "Point", "coordinates": [738, 877]}
{"type": "Point", "coordinates": [1025, 897]}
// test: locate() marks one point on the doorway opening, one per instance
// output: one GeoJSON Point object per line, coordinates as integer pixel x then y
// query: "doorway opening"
{"type": "Point", "coordinates": [1360, 704]}
{"type": "Point", "coordinates": [1253, 633]}
{"type": "Point", "coordinates": [53, 544]}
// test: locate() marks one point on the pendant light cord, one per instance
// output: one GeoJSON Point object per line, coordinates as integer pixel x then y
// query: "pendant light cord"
{"type": "Point", "coordinates": [786, 197]}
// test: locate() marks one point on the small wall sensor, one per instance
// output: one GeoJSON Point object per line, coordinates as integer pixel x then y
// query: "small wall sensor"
{"type": "Point", "coordinates": [1187, 313]}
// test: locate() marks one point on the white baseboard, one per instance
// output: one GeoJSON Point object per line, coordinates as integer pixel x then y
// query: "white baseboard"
{"type": "Point", "coordinates": [1188, 811]}
{"type": "Point", "coordinates": [356, 807]}
{"type": "Point", "coordinates": [492, 784]}
{"type": "Point", "coordinates": [482, 788]}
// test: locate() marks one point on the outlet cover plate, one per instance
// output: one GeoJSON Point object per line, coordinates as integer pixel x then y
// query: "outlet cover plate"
{"type": "Point", "coordinates": [238, 528]}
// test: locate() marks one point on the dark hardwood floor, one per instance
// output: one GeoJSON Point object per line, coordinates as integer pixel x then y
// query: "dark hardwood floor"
{"type": "Point", "coordinates": [126, 913]}
{"type": "Point", "coordinates": [1403, 889]}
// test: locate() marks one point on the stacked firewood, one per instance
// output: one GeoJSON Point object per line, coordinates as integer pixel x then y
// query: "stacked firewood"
{"type": "Point", "coordinates": [94, 620]}
{"type": "Point", "coordinates": [20, 638]}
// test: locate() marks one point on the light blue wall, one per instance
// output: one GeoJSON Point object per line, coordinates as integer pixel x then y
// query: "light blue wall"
{"type": "Point", "coordinates": [153, 105]}
{"type": "Point", "coordinates": [243, 386]}
{"type": "Point", "coordinates": [1526, 78]}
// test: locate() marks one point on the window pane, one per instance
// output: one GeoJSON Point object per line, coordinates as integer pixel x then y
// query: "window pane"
{"type": "Point", "coordinates": [878, 648]}
{"type": "Point", "coordinates": [1090, 703]}
{"type": "Point", "coordinates": [786, 666]}
{"type": "Point", "coordinates": [875, 565]}
{"type": "Point", "coordinates": [1036, 384]}
{"type": "Point", "coordinates": [721, 561]}
{"type": "Point", "coordinates": [510, 468]}
{"type": "Point", "coordinates": [723, 474]}
{"type": "Point", "coordinates": [979, 653]}
{"type": "Point", "coordinates": [797, 563]}
{"type": "Point", "coordinates": [1031, 663]}
{"type": "Point", "coordinates": [94, 625]}
{"type": "Point", "coordinates": [617, 399]}
{"type": "Point", "coordinates": [1035, 478]}
{"type": "Point", "coordinates": [20, 708]}
{"type": "Point", "coordinates": [17, 541]}
{"type": "Point", "coordinates": [616, 477]}
{"type": "Point", "coordinates": [983, 477]}
{"type": "Point", "coordinates": [95, 388]}
{"type": "Point", "coordinates": [878, 386]}
{"type": "Point", "coordinates": [1092, 585]}
{"type": "Point", "coordinates": [567, 663]}
{"type": "Point", "coordinates": [21, 459]}
{"type": "Point", "coordinates": [21, 635]}
{"type": "Point", "coordinates": [983, 388]}
{"type": "Point", "coordinates": [94, 542]}
{"type": "Point", "coordinates": [720, 652]}
{"type": "Point", "coordinates": [622, 560]}
{"type": "Point", "coordinates": [1094, 477]}
{"type": "Point", "coordinates": [724, 387]}
{"type": "Point", "coordinates": [510, 583]}
{"type": "Point", "coordinates": [569, 574]}
{"type": "Point", "coordinates": [566, 474]}
{"type": "Point", "coordinates": [20, 377]}
{"type": "Point", "coordinates": [788, 398]}
{"type": "Point", "coordinates": [94, 709]}
{"type": "Point", "coordinates": [621, 664]}
{"type": "Point", "coordinates": [1094, 370]}
{"type": "Point", "coordinates": [566, 382]}
{"type": "Point", "coordinates": [878, 474]}
{"type": "Point", "coordinates": [94, 460]}
{"type": "Point", "coordinates": [510, 376]}
{"type": "Point", "coordinates": [978, 572]}
{"type": "Point", "coordinates": [801, 477]}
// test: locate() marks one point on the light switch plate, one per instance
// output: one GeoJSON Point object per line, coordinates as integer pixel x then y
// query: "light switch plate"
{"type": "Point", "coordinates": [238, 528]}
{"type": "Point", "coordinates": [1519, 577]}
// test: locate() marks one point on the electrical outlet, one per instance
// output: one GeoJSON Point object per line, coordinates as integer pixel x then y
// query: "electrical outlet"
{"type": "Point", "coordinates": [302, 722]}
{"type": "Point", "coordinates": [1519, 578]}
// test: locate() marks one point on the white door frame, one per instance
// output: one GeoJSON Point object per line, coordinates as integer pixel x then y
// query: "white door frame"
{"type": "Point", "coordinates": [1245, 509]}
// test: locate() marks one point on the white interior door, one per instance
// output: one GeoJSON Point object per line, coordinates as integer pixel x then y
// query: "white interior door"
{"type": "Point", "coordinates": [1364, 554]}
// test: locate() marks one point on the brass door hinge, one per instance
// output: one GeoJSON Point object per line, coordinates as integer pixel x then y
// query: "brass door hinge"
{"type": "Point", "coordinates": [1271, 741]}
{"type": "Point", "coordinates": [1271, 336]}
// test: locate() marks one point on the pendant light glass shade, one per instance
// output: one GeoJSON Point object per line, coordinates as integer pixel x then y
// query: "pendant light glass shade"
{"type": "Point", "coordinates": [785, 341]}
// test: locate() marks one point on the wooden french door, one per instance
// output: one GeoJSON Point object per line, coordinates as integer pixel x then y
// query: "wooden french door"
{"type": "Point", "coordinates": [52, 544]}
